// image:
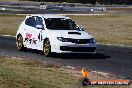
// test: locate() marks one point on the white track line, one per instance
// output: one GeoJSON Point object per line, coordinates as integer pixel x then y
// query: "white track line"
{"type": "Point", "coordinates": [8, 35]}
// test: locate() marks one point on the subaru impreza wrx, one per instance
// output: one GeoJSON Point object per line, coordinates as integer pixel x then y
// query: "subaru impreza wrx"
{"type": "Point", "coordinates": [54, 33]}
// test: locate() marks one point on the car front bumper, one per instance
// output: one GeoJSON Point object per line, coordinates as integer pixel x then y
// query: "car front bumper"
{"type": "Point", "coordinates": [67, 47]}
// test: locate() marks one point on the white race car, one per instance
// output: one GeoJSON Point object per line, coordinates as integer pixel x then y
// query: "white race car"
{"type": "Point", "coordinates": [54, 33]}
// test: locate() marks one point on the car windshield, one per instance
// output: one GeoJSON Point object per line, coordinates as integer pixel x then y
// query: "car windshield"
{"type": "Point", "coordinates": [60, 24]}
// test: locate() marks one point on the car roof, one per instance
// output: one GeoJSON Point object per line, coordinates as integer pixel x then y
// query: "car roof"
{"type": "Point", "coordinates": [49, 16]}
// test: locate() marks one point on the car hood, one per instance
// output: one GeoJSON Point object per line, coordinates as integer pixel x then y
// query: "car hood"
{"type": "Point", "coordinates": [70, 34]}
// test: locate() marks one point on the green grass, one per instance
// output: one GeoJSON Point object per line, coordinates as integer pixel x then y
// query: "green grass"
{"type": "Point", "coordinates": [113, 29]}
{"type": "Point", "coordinates": [22, 73]}
{"type": "Point", "coordinates": [32, 74]}
{"type": "Point", "coordinates": [10, 23]}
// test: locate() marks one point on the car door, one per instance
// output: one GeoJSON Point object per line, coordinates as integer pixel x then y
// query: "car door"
{"type": "Point", "coordinates": [37, 33]}
{"type": "Point", "coordinates": [29, 39]}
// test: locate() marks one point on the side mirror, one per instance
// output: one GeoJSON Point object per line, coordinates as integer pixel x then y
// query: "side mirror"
{"type": "Point", "coordinates": [80, 28]}
{"type": "Point", "coordinates": [39, 26]}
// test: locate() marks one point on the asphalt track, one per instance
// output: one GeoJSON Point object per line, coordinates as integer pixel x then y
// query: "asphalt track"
{"type": "Point", "coordinates": [112, 59]}
{"type": "Point", "coordinates": [34, 9]}
{"type": "Point", "coordinates": [22, 10]}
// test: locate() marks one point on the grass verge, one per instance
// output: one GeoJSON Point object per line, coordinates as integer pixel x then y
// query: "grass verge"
{"type": "Point", "coordinates": [16, 73]}
{"type": "Point", "coordinates": [23, 73]}
{"type": "Point", "coordinates": [9, 24]}
{"type": "Point", "coordinates": [113, 29]}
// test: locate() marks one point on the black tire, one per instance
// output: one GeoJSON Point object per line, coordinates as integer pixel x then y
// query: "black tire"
{"type": "Point", "coordinates": [47, 48]}
{"type": "Point", "coordinates": [19, 42]}
{"type": "Point", "coordinates": [85, 81]}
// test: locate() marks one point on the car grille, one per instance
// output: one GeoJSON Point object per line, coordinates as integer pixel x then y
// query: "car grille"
{"type": "Point", "coordinates": [80, 41]}
{"type": "Point", "coordinates": [78, 49]}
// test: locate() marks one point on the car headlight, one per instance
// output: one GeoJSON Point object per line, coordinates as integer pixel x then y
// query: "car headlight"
{"type": "Point", "coordinates": [62, 39]}
{"type": "Point", "coordinates": [92, 40]}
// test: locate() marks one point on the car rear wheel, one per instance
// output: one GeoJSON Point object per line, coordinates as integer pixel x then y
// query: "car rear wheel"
{"type": "Point", "coordinates": [20, 43]}
{"type": "Point", "coordinates": [47, 48]}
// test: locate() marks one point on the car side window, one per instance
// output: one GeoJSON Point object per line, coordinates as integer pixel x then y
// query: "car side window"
{"type": "Point", "coordinates": [30, 22]}
{"type": "Point", "coordinates": [39, 21]}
